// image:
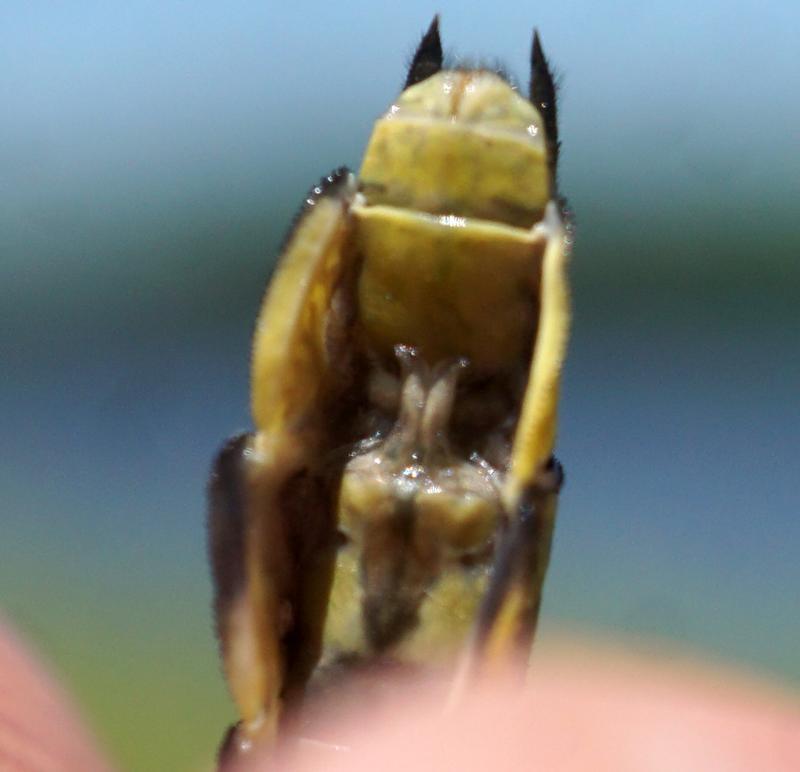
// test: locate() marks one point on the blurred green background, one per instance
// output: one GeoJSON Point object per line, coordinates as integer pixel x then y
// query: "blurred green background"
{"type": "Point", "coordinates": [151, 157]}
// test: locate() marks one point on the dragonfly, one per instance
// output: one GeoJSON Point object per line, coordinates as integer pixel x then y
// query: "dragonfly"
{"type": "Point", "coordinates": [395, 502]}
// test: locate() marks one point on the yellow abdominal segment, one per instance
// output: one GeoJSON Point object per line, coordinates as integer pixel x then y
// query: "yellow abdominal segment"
{"type": "Point", "coordinates": [467, 170]}
{"type": "Point", "coordinates": [447, 285]}
{"type": "Point", "coordinates": [463, 143]}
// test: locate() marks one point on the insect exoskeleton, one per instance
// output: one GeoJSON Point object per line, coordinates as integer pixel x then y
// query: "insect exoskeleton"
{"type": "Point", "coordinates": [396, 501]}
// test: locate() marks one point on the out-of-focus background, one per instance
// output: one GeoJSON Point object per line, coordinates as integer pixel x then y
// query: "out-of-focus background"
{"type": "Point", "coordinates": [151, 157]}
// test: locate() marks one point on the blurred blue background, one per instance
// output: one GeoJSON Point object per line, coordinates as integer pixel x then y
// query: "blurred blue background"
{"type": "Point", "coordinates": [151, 157]}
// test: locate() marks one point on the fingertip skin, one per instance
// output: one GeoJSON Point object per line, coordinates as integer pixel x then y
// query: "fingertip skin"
{"type": "Point", "coordinates": [40, 729]}
{"type": "Point", "coordinates": [587, 706]}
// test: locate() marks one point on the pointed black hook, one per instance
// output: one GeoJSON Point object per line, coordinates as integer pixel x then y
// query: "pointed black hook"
{"type": "Point", "coordinates": [427, 60]}
{"type": "Point", "coordinates": [543, 97]}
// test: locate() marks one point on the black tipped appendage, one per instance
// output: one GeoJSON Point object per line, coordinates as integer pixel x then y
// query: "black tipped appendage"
{"type": "Point", "coordinates": [329, 185]}
{"type": "Point", "coordinates": [543, 98]}
{"type": "Point", "coordinates": [427, 60]}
